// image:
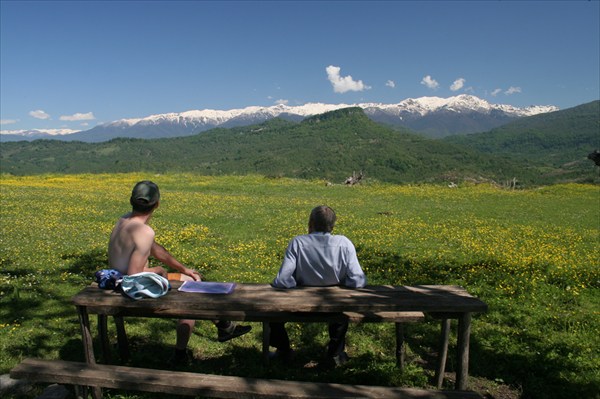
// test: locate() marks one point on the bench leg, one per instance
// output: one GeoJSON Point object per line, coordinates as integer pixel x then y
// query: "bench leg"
{"type": "Point", "coordinates": [443, 353]}
{"type": "Point", "coordinates": [400, 345]}
{"type": "Point", "coordinates": [265, 341]}
{"type": "Point", "coordinates": [464, 334]}
{"type": "Point", "coordinates": [122, 339]}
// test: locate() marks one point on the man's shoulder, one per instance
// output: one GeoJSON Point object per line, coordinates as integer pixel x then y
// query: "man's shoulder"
{"type": "Point", "coordinates": [137, 227]}
{"type": "Point", "coordinates": [328, 238]}
{"type": "Point", "coordinates": [342, 239]}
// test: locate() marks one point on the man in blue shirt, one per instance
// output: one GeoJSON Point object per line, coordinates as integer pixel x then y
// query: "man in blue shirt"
{"type": "Point", "coordinates": [318, 258]}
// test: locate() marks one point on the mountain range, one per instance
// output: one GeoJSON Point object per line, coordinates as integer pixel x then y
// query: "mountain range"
{"type": "Point", "coordinates": [432, 117]}
{"type": "Point", "coordinates": [542, 149]}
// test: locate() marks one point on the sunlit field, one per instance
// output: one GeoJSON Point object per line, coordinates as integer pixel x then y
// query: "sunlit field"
{"type": "Point", "coordinates": [532, 255]}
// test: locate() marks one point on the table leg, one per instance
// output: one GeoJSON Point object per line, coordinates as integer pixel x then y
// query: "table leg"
{"type": "Point", "coordinates": [86, 335]}
{"type": "Point", "coordinates": [400, 345]}
{"type": "Point", "coordinates": [122, 339]}
{"type": "Point", "coordinates": [464, 334]}
{"type": "Point", "coordinates": [103, 334]}
{"type": "Point", "coordinates": [443, 353]}
{"type": "Point", "coordinates": [88, 344]}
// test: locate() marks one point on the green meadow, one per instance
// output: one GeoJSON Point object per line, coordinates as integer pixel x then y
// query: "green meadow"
{"type": "Point", "coordinates": [532, 255]}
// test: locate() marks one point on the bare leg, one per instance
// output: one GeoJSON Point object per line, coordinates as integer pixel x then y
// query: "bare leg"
{"type": "Point", "coordinates": [184, 332]}
{"type": "Point", "coordinates": [184, 326]}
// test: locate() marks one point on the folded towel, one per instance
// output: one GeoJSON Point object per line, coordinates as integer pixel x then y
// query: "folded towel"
{"type": "Point", "coordinates": [145, 285]}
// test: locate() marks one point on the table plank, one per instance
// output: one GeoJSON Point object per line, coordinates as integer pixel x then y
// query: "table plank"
{"type": "Point", "coordinates": [250, 300]}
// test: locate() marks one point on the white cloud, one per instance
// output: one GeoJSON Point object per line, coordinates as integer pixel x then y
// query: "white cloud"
{"type": "Point", "coordinates": [39, 114]}
{"type": "Point", "coordinates": [496, 92]}
{"type": "Point", "coordinates": [281, 102]}
{"type": "Point", "coordinates": [512, 90]}
{"type": "Point", "coordinates": [430, 82]}
{"type": "Point", "coordinates": [343, 84]}
{"type": "Point", "coordinates": [8, 121]}
{"type": "Point", "coordinates": [78, 117]}
{"type": "Point", "coordinates": [390, 83]}
{"type": "Point", "coordinates": [458, 84]}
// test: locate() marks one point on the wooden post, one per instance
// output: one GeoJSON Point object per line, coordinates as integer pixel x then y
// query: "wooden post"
{"type": "Point", "coordinates": [443, 353]}
{"type": "Point", "coordinates": [86, 335]}
{"type": "Point", "coordinates": [464, 334]}
{"type": "Point", "coordinates": [103, 334]}
{"type": "Point", "coordinates": [400, 345]}
{"type": "Point", "coordinates": [122, 339]}
{"type": "Point", "coordinates": [88, 345]}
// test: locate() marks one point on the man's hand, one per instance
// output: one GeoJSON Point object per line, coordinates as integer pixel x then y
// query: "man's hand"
{"type": "Point", "coordinates": [193, 274]}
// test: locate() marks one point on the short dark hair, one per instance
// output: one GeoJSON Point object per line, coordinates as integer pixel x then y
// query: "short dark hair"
{"type": "Point", "coordinates": [144, 196]}
{"type": "Point", "coordinates": [322, 219]}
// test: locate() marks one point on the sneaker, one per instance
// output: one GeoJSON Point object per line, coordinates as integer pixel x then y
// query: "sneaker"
{"type": "Point", "coordinates": [341, 359]}
{"type": "Point", "coordinates": [233, 331]}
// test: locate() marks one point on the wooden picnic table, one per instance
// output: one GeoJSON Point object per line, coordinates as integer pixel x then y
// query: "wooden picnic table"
{"type": "Point", "coordinates": [263, 303]}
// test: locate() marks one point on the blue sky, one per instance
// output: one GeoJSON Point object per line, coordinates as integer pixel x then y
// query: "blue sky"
{"type": "Point", "coordinates": [76, 64]}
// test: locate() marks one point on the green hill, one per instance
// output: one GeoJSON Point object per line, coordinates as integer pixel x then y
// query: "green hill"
{"type": "Point", "coordinates": [558, 142]}
{"type": "Point", "coordinates": [329, 146]}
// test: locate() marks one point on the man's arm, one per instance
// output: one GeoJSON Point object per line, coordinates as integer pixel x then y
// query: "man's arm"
{"type": "Point", "coordinates": [162, 255]}
{"type": "Point", "coordinates": [355, 277]}
{"type": "Point", "coordinates": [286, 276]}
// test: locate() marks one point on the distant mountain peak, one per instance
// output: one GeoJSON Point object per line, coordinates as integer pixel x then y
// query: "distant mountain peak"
{"type": "Point", "coordinates": [421, 106]}
{"type": "Point", "coordinates": [432, 116]}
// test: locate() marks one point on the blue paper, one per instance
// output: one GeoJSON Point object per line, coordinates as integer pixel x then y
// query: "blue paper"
{"type": "Point", "coordinates": [207, 287]}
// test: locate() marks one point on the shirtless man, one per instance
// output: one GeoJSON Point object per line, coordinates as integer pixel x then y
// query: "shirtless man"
{"type": "Point", "coordinates": [132, 243]}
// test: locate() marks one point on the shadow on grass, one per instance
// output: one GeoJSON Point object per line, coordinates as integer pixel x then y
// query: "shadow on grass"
{"type": "Point", "coordinates": [87, 263]}
{"type": "Point", "coordinates": [38, 307]}
{"type": "Point", "coordinates": [537, 374]}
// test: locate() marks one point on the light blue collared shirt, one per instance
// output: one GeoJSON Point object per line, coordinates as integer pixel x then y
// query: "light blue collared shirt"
{"type": "Point", "coordinates": [320, 259]}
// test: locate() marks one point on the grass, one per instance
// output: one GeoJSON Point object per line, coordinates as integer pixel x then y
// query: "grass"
{"type": "Point", "coordinates": [532, 255]}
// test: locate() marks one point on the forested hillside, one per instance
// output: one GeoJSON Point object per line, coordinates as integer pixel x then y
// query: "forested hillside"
{"type": "Point", "coordinates": [558, 142]}
{"type": "Point", "coordinates": [329, 146]}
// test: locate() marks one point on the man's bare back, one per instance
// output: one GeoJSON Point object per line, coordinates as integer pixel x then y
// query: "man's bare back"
{"type": "Point", "coordinates": [130, 244]}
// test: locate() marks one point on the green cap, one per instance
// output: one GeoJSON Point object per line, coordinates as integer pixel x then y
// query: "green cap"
{"type": "Point", "coordinates": [145, 193]}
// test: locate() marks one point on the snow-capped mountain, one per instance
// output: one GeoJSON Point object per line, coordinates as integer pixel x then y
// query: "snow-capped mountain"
{"type": "Point", "coordinates": [431, 116]}
{"type": "Point", "coordinates": [34, 134]}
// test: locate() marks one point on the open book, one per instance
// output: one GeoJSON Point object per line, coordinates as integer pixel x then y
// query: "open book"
{"type": "Point", "coordinates": [207, 287]}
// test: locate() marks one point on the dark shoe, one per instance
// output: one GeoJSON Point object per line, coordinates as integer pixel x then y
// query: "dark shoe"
{"type": "Point", "coordinates": [232, 331]}
{"type": "Point", "coordinates": [282, 355]}
{"type": "Point", "coordinates": [180, 358]}
{"type": "Point", "coordinates": [341, 359]}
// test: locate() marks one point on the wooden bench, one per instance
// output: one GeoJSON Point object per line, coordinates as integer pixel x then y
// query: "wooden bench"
{"type": "Point", "coordinates": [207, 385]}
